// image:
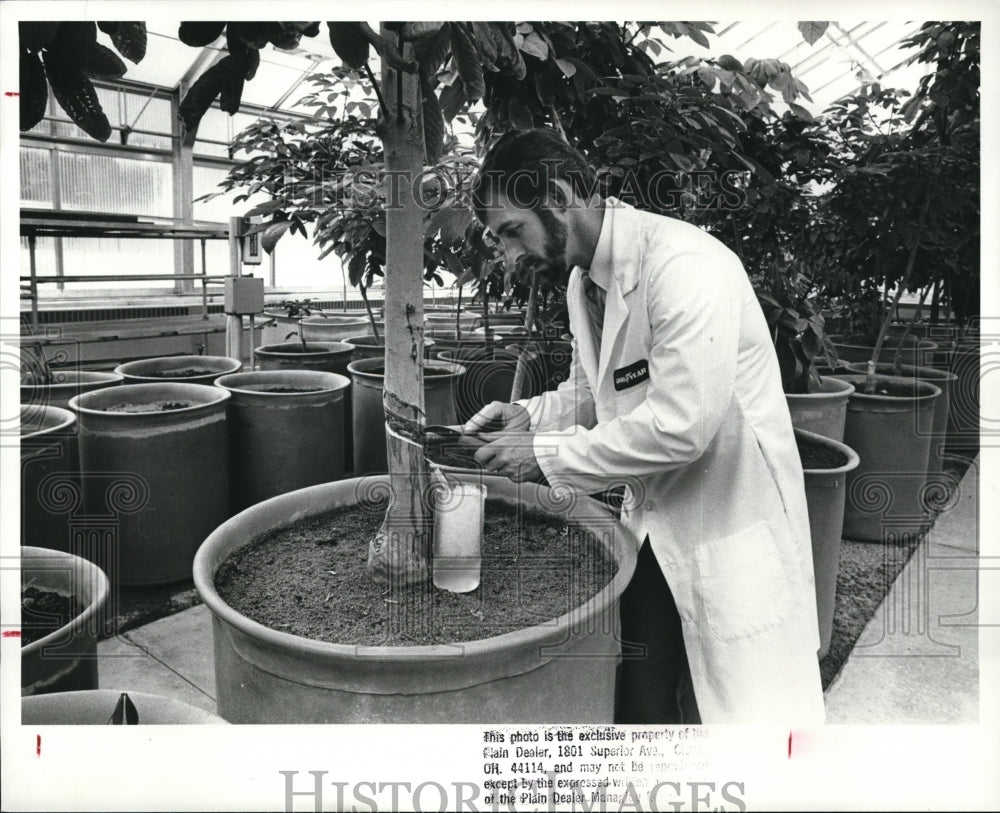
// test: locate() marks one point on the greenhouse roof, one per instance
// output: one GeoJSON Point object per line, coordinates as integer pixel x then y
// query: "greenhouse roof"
{"type": "Point", "coordinates": [843, 57]}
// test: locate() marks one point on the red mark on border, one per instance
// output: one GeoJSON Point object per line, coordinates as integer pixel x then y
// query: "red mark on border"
{"type": "Point", "coordinates": [11, 93]}
{"type": "Point", "coordinates": [789, 744]}
{"type": "Point", "coordinates": [12, 633]}
{"type": "Point", "coordinates": [38, 745]}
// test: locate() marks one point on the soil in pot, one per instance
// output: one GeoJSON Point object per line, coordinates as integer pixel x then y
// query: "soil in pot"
{"type": "Point", "coordinates": [309, 579]}
{"type": "Point", "coordinates": [814, 456]}
{"type": "Point", "coordinates": [183, 372]}
{"type": "Point", "coordinates": [286, 389]}
{"type": "Point", "coordinates": [446, 452]}
{"type": "Point", "coordinates": [893, 389]}
{"type": "Point", "coordinates": [45, 611]}
{"type": "Point", "coordinates": [153, 406]}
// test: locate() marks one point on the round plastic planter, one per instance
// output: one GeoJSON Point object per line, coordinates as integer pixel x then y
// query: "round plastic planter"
{"type": "Point", "coordinates": [328, 357]}
{"type": "Point", "coordinates": [556, 359]}
{"type": "Point", "coordinates": [162, 473]}
{"type": "Point", "coordinates": [66, 659]}
{"type": "Point", "coordinates": [368, 347]}
{"type": "Point", "coordinates": [333, 329]}
{"type": "Point", "coordinates": [559, 671]}
{"type": "Point", "coordinates": [50, 475]}
{"type": "Point", "coordinates": [368, 381]}
{"type": "Point", "coordinates": [939, 378]}
{"type": "Point", "coordinates": [96, 707]}
{"type": "Point", "coordinates": [286, 432]}
{"type": "Point", "coordinates": [963, 422]}
{"type": "Point", "coordinates": [891, 434]}
{"type": "Point", "coordinates": [823, 412]}
{"type": "Point", "coordinates": [278, 327]}
{"type": "Point", "coordinates": [489, 376]}
{"type": "Point", "coordinates": [825, 491]}
{"type": "Point", "coordinates": [466, 319]}
{"type": "Point", "coordinates": [65, 385]}
{"type": "Point", "coordinates": [854, 348]}
{"type": "Point", "coordinates": [186, 369]}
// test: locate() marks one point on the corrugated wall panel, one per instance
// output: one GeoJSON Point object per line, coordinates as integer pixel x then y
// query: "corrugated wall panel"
{"type": "Point", "coordinates": [104, 183]}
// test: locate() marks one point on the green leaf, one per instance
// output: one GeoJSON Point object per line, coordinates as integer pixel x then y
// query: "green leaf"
{"type": "Point", "coordinates": [125, 712]}
{"type": "Point", "coordinates": [36, 35]}
{"type": "Point", "coordinates": [200, 34]}
{"type": "Point", "coordinates": [432, 53]}
{"type": "Point", "coordinates": [273, 233]}
{"type": "Point", "coordinates": [812, 31]}
{"type": "Point", "coordinates": [349, 42]}
{"type": "Point", "coordinates": [203, 92]}
{"type": "Point", "coordinates": [234, 69]}
{"type": "Point", "coordinates": [729, 63]}
{"type": "Point", "coordinates": [467, 61]}
{"type": "Point", "coordinates": [535, 46]}
{"type": "Point", "coordinates": [76, 95]}
{"type": "Point", "coordinates": [419, 30]}
{"type": "Point", "coordinates": [801, 112]}
{"type": "Point", "coordinates": [567, 67]}
{"type": "Point", "coordinates": [34, 91]}
{"type": "Point", "coordinates": [130, 40]}
{"type": "Point", "coordinates": [103, 63]}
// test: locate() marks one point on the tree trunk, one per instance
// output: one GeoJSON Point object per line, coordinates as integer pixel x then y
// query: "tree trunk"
{"type": "Point", "coordinates": [399, 554]}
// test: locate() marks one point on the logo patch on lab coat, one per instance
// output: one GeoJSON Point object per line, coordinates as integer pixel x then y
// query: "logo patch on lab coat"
{"type": "Point", "coordinates": [626, 377]}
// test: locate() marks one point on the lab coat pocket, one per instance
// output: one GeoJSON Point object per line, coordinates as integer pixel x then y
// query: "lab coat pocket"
{"type": "Point", "coordinates": [743, 583]}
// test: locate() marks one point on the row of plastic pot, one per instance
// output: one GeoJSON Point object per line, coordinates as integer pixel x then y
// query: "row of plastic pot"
{"type": "Point", "coordinates": [135, 475]}
{"type": "Point", "coordinates": [886, 448]}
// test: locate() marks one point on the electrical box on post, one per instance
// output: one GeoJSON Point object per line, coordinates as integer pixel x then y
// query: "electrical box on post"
{"type": "Point", "coordinates": [244, 295]}
{"type": "Point", "coordinates": [251, 251]}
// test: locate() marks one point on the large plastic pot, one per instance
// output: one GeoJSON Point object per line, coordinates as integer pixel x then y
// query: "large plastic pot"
{"type": "Point", "coordinates": [164, 474]}
{"type": "Point", "coordinates": [329, 357]}
{"type": "Point", "coordinates": [824, 411]}
{"type": "Point", "coordinates": [281, 440]}
{"type": "Point", "coordinates": [186, 369]}
{"type": "Point", "coordinates": [278, 327]}
{"type": "Point", "coordinates": [66, 384]}
{"type": "Point", "coordinates": [886, 498]}
{"type": "Point", "coordinates": [560, 671]}
{"type": "Point", "coordinates": [466, 319]}
{"type": "Point", "coordinates": [825, 493]}
{"type": "Point", "coordinates": [368, 382]}
{"type": "Point", "coordinates": [856, 348]}
{"type": "Point", "coordinates": [333, 329]}
{"type": "Point", "coordinates": [95, 707]}
{"type": "Point", "coordinates": [368, 347]}
{"type": "Point", "coordinates": [556, 358]}
{"type": "Point", "coordinates": [64, 660]}
{"type": "Point", "coordinates": [489, 376]}
{"type": "Point", "coordinates": [963, 423]}
{"type": "Point", "coordinates": [50, 475]}
{"type": "Point", "coordinates": [939, 430]}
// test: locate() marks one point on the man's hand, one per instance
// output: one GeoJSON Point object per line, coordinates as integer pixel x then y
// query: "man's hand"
{"type": "Point", "coordinates": [498, 417]}
{"type": "Point", "coordinates": [510, 454]}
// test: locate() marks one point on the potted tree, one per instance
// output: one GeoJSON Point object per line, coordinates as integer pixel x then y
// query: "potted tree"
{"type": "Point", "coordinates": [520, 62]}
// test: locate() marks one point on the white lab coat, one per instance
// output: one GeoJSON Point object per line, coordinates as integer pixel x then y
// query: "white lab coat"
{"type": "Point", "coordinates": [706, 448]}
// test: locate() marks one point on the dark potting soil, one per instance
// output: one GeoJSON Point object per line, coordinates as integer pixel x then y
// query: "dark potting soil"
{"type": "Point", "coordinates": [153, 406]}
{"type": "Point", "coordinates": [814, 456]}
{"type": "Point", "coordinates": [45, 611]}
{"type": "Point", "coordinates": [288, 389]}
{"type": "Point", "coordinates": [184, 372]}
{"type": "Point", "coordinates": [309, 579]}
{"type": "Point", "coordinates": [430, 372]}
{"type": "Point", "coordinates": [447, 452]}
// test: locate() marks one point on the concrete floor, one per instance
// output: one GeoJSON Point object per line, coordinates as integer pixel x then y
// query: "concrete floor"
{"type": "Point", "coordinates": [916, 661]}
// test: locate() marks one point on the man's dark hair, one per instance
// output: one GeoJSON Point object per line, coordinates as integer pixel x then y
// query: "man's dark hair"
{"type": "Point", "coordinates": [522, 164]}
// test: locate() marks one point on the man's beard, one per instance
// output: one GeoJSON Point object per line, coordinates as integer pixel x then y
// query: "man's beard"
{"type": "Point", "coordinates": [553, 264]}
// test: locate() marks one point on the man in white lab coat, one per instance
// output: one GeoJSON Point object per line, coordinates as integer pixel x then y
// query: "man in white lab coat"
{"type": "Point", "coordinates": [675, 388]}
